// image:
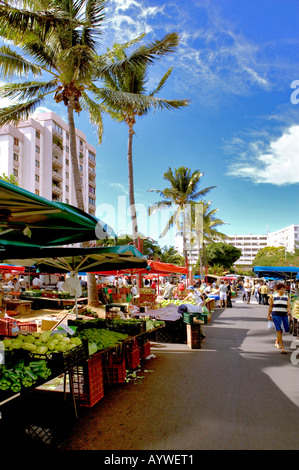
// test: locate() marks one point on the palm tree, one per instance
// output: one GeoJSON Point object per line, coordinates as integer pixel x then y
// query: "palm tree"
{"type": "Point", "coordinates": [125, 95]}
{"type": "Point", "coordinates": [61, 37]}
{"type": "Point", "coordinates": [206, 231]}
{"type": "Point", "coordinates": [183, 190]}
{"type": "Point", "coordinates": [169, 254]}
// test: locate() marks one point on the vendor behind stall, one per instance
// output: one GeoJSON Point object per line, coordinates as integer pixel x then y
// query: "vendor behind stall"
{"type": "Point", "coordinates": [196, 297]}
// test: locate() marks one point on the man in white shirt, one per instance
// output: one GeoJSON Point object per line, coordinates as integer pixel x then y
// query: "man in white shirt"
{"type": "Point", "coordinates": [36, 282]}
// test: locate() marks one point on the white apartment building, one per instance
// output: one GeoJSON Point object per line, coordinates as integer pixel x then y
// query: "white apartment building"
{"type": "Point", "coordinates": [250, 244]}
{"type": "Point", "coordinates": [37, 153]}
{"type": "Point", "coordinates": [287, 237]}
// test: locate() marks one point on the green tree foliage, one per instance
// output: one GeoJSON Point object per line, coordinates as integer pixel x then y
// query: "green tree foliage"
{"type": "Point", "coordinates": [276, 256]}
{"type": "Point", "coordinates": [10, 179]}
{"type": "Point", "coordinates": [222, 254]}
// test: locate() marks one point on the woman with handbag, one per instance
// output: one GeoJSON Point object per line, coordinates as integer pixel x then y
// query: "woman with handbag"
{"type": "Point", "coordinates": [280, 310]}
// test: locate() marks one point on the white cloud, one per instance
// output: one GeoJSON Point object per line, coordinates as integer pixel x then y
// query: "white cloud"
{"type": "Point", "coordinates": [278, 165]}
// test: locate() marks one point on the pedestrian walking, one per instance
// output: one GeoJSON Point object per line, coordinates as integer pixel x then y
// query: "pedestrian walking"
{"type": "Point", "coordinates": [279, 311]}
{"type": "Point", "coordinates": [247, 290]}
{"type": "Point", "coordinates": [264, 290]}
{"type": "Point", "coordinates": [229, 296]}
{"type": "Point", "coordinates": [223, 294]}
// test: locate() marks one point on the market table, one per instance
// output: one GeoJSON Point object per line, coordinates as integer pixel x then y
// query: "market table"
{"type": "Point", "coordinates": [40, 301]}
{"type": "Point", "coordinates": [20, 306]}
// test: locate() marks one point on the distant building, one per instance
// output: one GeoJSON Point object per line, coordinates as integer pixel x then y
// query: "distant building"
{"type": "Point", "coordinates": [250, 244]}
{"type": "Point", "coordinates": [287, 237]}
{"type": "Point", "coordinates": [37, 153]}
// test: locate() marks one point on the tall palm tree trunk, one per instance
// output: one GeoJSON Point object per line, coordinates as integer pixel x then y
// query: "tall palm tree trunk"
{"type": "Point", "coordinates": [131, 186]}
{"type": "Point", "coordinates": [93, 297]}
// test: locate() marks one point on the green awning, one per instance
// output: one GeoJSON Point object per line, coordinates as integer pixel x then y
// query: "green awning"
{"type": "Point", "coordinates": [70, 259]}
{"type": "Point", "coordinates": [28, 219]}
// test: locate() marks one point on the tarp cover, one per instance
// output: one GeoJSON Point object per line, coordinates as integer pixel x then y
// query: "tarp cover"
{"type": "Point", "coordinates": [284, 272]}
{"type": "Point", "coordinates": [60, 259]}
{"type": "Point", "coordinates": [155, 267]}
{"type": "Point", "coordinates": [26, 218]}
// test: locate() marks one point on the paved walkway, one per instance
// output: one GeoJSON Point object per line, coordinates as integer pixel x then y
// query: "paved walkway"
{"type": "Point", "coordinates": [237, 392]}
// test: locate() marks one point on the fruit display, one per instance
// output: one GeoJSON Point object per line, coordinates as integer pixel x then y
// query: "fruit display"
{"type": "Point", "coordinates": [295, 309]}
{"type": "Point", "coordinates": [41, 344]}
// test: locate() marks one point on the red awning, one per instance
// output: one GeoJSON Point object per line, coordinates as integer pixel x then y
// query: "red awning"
{"type": "Point", "coordinates": [156, 268]}
{"type": "Point", "coordinates": [6, 268]}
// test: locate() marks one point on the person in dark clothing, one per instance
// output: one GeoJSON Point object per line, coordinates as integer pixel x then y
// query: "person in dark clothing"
{"type": "Point", "coordinates": [229, 297]}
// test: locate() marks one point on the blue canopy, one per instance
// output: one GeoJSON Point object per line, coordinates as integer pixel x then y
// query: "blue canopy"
{"type": "Point", "coordinates": [284, 272]}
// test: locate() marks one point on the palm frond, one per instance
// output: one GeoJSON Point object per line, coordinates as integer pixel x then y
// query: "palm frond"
{"type": "Point", "coordinates": [26, 90]}
{"type": "Point", "coordinates": [153, 208]}
{"type": "Point", "coordinates": [145, 55]}
{"type": "Point", "coordinates": [94, 17]}
{"type": "Point", "coordinates": [12, 63]}
{"type": "Point", "coordinates": [95, 114]}
{"type": "Point", "coordinates": [15, 113]}
{"type": "Point", "coordinates": [162, 82]}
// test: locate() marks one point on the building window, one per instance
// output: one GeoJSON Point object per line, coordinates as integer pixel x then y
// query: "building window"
{"type": "Point", "coordinates": [16, 157]}
{"type": "Point", "coordinates": [67, 162]}
{"type": "Point", "coordinates": [16, 141]}
{"type": "Point", "coordinates": [67, 136]}
{"type": "Point", "coordinates": [37, 134]}
{"type": "Point", "coordinates": [67, 189]}
{"type": "Point", "coordinates": [37, 163]}
{"type": "Point", "coordinates": [37, 149]}
{"type": "Point", "coordinates": [81, 168]}
{"type": "Point", "coordinates": [81, 143]}
{"type": "Point", "coordinates": [91, 201]}
{"type": "Point", "coordinates": [67, 175]}
{"type": "Point", "coordinates": [15, 172]}
{"type": "Point", "coordinates": [37, 192]}
{"type": "Point", "coordinates": [57, 128]}
{"type": "Point", "coordinates": [67, 149]}
{"type": "Point", "coordinates": [67, 201]}
{"type": "Point", "coordinates": [91, 189]}
{"type": "Point", "coordinates": [37, 178]}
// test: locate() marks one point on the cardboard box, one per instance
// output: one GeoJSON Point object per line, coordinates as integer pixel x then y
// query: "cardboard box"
{"type": "Point", "coordinates": [48, 324]}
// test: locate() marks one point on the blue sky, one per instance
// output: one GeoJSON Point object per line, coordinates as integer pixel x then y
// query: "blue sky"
{"type": "Point", "coordinates": [237, 62]}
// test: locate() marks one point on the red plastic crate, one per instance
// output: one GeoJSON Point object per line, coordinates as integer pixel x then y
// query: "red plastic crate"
{"type": "Point", "coordinates": [88, 381]}
{"type": "Point", "coordinates": [145, 350]}
{"type": "Point", "coordinates": [115, 372]}
{"type": "Point", "coordinates": [133, 358]}
{"type": "Point", "coordinates": [11, 327]}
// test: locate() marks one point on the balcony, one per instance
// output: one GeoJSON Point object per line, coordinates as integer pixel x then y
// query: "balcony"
{"type": "Point", "coordinates": [56, 176]}
{"type": "Point", "coordinates": [56, 189]}
{"type": "Point", "coordinates": [57, 162]}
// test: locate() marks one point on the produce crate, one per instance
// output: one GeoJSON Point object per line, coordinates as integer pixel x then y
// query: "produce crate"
{"type": "Point", "coordinates": [193, 318]}
{"type": "Point", "coordinates": [12, 327]}
{"type": "Point", "coordinates": [64, 361]}
{"type": "Point", "coordinates": [145, 350]}
{"type": "Point", "coordinates": [88, 381]}
{"type": "Point", "coordinates": [132, 345]}
{"type": "Point", "coordinates": [115, 371]}
{"type": "Point", "coordinates": [194, 336]}
{"type": "Point", "coordinates": [133, 358]}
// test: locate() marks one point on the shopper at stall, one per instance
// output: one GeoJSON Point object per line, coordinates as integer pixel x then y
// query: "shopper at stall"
{"type": "Point", "coordinates": [168, 291]}
{"type": "Point", "coordinates": [229, 296]}
{"type": "Point", "coordinates": [279, 311]}
{"type": "Point", "coordinates": [16, 285]}
{"type": "Point", "coordinates": [60, 283]}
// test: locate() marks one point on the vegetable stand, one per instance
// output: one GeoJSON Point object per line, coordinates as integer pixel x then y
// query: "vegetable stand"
{"type": "Point", "coordinates": [97, 354]}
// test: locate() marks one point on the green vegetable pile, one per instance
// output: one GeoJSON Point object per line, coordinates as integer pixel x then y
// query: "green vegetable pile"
{"type": "Point", "coordinates": [101, 339]}
{"type": "Point", "coordinates": [42, 343]}
{"type": "Point", "coordinates": [22, 375]}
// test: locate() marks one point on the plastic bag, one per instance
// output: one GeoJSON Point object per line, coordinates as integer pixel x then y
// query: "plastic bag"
{"type": "Point", "coordinates": [270, 325]}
